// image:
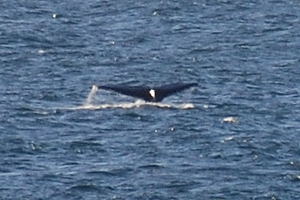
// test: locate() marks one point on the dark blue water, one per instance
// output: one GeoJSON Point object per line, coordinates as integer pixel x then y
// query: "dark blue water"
{"type": "Point", "coordinates": [240, 141]}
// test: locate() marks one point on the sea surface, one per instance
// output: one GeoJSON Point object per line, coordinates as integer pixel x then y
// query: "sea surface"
{"type": "Point", "coordinates": [235, 136]}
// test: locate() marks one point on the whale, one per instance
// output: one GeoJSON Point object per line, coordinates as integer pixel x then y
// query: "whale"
{"type": "Point", "coordinates": [148, 94]}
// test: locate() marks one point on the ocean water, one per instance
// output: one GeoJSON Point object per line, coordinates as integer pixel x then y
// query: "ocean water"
{"type": "Point", "coordinates": [235, 136]}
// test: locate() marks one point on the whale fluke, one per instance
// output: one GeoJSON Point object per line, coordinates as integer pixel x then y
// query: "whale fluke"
{"type": "Point", "coordinates": [152, 94]}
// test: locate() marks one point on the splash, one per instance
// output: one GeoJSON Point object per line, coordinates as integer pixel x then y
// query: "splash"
{"type": "Point", "coordinates": [91, 96]}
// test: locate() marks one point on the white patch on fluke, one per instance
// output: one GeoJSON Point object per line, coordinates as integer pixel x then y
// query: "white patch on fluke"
{"type": "Point", "coordinates": [152, 93]}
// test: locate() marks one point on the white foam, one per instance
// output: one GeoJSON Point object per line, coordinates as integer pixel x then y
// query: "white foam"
{"type": "Point", "coordinates": [230, 119]}
{"type": "Point", "coordinates": [130, 105]}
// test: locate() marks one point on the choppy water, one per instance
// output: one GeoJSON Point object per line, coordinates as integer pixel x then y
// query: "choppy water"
{"type": "Point", "coordinates": [238, 137]}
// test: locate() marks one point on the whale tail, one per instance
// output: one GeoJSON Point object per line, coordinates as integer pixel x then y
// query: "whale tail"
{"type": "Point", "coordinates": [152, 94]}
{"type": "Point", "coordinates": [170, 89]}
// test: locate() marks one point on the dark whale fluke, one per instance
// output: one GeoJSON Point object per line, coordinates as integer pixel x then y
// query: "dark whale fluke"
{"type": "Point", "coordinates": [153, 94]}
